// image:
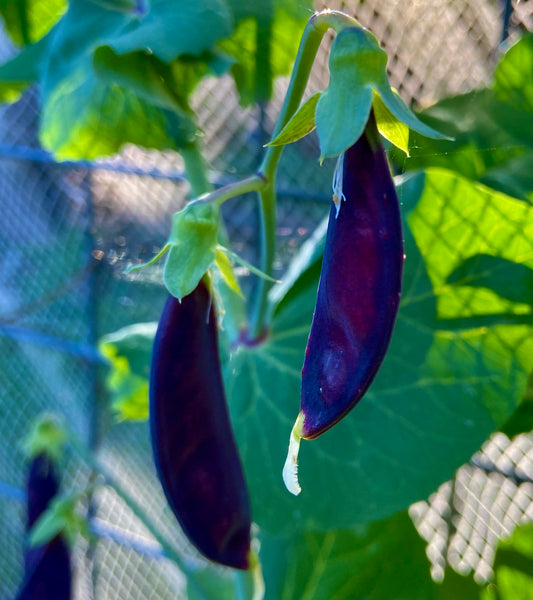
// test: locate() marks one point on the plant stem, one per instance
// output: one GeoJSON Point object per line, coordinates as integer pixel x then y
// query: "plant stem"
{"type": "Point", "coordinates": [253, 183]}
{"type": "Point", "coordinates": [196, 169]}
{"type": "Point", "coordinates": [312, 36]}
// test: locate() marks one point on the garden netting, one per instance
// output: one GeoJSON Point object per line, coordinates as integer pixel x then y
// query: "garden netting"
{"type": "Point", "coordinates": [68, 231]}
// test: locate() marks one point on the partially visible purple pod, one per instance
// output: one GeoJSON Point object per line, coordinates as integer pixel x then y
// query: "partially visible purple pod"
{"type": "Point", "coordinates": [192, 439]}
{"type": "Point", "coordinates": [47, 572]}
{"type": "Point", "coordinates": [358, 294]}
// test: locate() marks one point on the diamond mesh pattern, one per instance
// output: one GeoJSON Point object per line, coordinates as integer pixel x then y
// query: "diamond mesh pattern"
{"type": "Point", "coordinates": [67, 232]}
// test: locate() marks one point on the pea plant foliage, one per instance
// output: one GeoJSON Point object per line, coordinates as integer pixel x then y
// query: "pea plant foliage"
{"type": "Point", "coordinates": [399, 338]}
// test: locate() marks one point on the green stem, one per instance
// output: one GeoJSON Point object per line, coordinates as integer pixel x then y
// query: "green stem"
{"type": "Point", "coordinates": [250, 184]}
{"type": "Point", "coordinates": [139, 512]}
{"type": "Point", "coordinates": [312, 36]}
{"type": "Point", "coordinates": [196, 169]}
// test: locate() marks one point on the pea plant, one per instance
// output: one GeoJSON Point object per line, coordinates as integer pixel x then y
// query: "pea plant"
{"type": "Point", "coordinates": [411, 300]}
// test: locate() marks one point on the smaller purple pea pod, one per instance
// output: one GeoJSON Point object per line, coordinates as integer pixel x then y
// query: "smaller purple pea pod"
{"type": "Point", "coordinates": [47, 569]}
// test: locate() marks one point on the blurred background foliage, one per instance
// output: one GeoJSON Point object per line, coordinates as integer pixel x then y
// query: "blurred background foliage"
{"type": "Point", "coordinates": [112, 78]}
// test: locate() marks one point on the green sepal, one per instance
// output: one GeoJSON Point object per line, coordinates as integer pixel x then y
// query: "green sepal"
{"type": "Point", "coordinates": [192, 250]}
{"type": "Point", "coordinates": [46, 436]}
{"type": "Point", "coordinates": [358, 67]}
{"type": "Point", "coordinates": [62, 518]}
{"type": "Point", "coordinates": [247, 265]}
{"type": "Point", "coordinates": [389, 126]}
{"type": "Point", "coordinates": [151, 262]}
{"type": "Point", "coordinates": [227, 273]}
{"type": "Point", "coordinates": [300, 124]}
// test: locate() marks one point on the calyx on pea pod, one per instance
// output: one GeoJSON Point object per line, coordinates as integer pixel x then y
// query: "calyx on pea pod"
{"type": "Point", "coordinates": [194, 449]}
{"type": "Point", "coordinates": [358, 293]}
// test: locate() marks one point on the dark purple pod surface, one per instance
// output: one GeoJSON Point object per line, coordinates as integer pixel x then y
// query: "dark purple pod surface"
{"type": "Point", "coordinates": [47, 573]}
{"type": "Point", "coordinates": [359, 290]}
{"type": "Point", "coordinates": [192, 439]}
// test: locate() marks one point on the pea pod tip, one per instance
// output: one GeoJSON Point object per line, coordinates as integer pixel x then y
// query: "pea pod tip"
{"type": "Point", "coordinates": [290, 469]}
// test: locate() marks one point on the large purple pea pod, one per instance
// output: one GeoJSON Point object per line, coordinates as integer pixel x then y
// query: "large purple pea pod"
{"type": "Point", "coordinates": [194, 449]}
{"type": "Point", "coordinates": [358, 294]}
{"type": "Point", "coordinates": [47, 574]}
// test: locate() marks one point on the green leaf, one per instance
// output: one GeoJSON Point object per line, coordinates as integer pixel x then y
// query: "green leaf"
{"type": "Point", "coordinates": [505, 277]}
{"type": "Point", "coordinates": [264, 43]}
{"type": "Point", "coordinates": [513, 177]}
{"type": "Point", "coordinates": [85, 116]}
{"type": "Point", "coordinates": [480, 142]}
{"type": "Point", "coordinates": [45, 436]}
{"type": "Point", "coordinates": [141, 72]}
{"type": "Point", "coordinates": [27, 21]}
{"type": "Point", "coordinates": [173, 28]}
{"type": "Point", "coordinates": [357, 66]}
{"type": "Point", "coordinates": [513, 565]}
{"type": "Point", "coordinates": [128, 352]}
{"type": "Point", "coordinates": [389, 126]}
{"type": "Point", "coordinates": [521, 421]}
{"type": "Point", "coordinates": [300, 124]}
{"type": "Point", "coordinates": [383, 561]}
{"type": "Point", "coordinates": [455, 371]}
{"type": "Point", "coordinates": [85, 119]}
{"type": "Point", "coordinates": [512, 81]}
{"type": "Point", "coordinates": [24, 69]}
{"type": "Point", "coordinates": [193, 247]}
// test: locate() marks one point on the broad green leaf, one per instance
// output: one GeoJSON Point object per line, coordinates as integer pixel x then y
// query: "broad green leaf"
{"type": "Point", "coordinates": [455, 371]}
{"type": "Point", "coordinates": [193, 247]}
{"type": "Point", "coordinates": [383, 561]}
{"type": "Point", "coordinates": [141, 72]}
{"type": "Point", "coordinates": [514, 177]}
{"type": "Point", "coordinates": [24, 69]}
{"type": "Point", "coordinates": [83, 118]}
{"type": "Point", "coordinates": [358, 67]}
{"type": "Point", "coordinates": [480, 142]}
{"type": "Point", "coordinates": [27, 21]}
{"type": "Point", "coordinates": [505, 277]}
{"type": "Point", "coordinates": [300, 124]}
{"type": "Point", "coordinates": [513, 566]}
{"type": "Point", "coordinates": [264, 43]}
{"type": "Point", "coordinates": [512, 77]}
{"type": "Point", "coordinates": [521, 421]}
{"type": "Point", "coordinates": [173, 28]}
{"type": "Point", "coordinates": [389, 126]}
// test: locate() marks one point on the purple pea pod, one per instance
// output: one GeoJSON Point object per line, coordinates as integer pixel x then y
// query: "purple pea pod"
{"type": "Point", "coordinates": [47, 574]}
{"type": "Point", "coordinates": [358, 294]}
{"type": "Point", "coordinates": [194, 449]}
